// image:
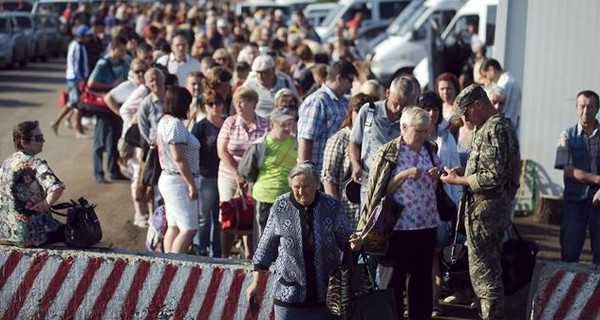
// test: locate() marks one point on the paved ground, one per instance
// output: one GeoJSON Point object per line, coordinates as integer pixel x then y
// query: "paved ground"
{"type": "Point", "coordinates": [32, 94]}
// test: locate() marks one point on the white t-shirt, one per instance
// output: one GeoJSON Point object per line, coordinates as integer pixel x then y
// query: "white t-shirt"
{"type": "Point", "coordinates": [180, 69]}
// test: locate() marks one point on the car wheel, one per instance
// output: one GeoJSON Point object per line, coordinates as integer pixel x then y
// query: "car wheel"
{"type": "Point", "coordinates": [13, 61]}
{"type": "Point", "coordinates": [36, 54]}
{"type": "Point", "coordinates": [23, 62]}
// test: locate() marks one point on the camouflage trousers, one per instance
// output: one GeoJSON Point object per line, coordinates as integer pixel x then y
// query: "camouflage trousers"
{"type": "Point", "coordinates": [485, 226]}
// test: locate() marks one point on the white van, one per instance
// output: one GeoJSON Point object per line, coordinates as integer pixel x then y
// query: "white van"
{"type": "Point", "coordinates": [374, 13]}
{"type": "Point", "coordinates": [483, 14]}
{"type": "Point", "coordinates": [403, 45]}
{"type": "Point", "coordinates": [316, 13]}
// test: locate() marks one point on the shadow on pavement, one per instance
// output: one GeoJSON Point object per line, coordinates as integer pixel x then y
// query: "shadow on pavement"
{"type": "Point", "coordinates": [8, 103]}
{"type": "Point", "coordinates": [21, 78]}
{"type": "Point", "coordinates": [9, 88]}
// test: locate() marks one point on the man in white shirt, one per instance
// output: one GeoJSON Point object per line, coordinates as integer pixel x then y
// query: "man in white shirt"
{"type": "Point", "coordinates": [266, 81]}
{"type": "Point", "coordinates": [492, 71]}
{"type": "Point", "coordinates": [179, 62]}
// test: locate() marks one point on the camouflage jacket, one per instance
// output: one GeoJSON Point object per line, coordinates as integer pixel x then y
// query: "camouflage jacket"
{"type": "Point", "coordinates": [493, 167]}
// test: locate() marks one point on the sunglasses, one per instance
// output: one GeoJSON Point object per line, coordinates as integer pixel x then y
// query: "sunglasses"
{"type": "Point", "coordinates": [211, 104]}
{"type": "Point", "coordinates": [140, 71]}
{"type": "Point", "coordinates": [37, 138]}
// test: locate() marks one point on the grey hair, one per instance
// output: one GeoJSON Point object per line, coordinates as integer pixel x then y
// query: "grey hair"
{"type": "Point", "coordinates": [307, 169]}
{"type": "Point", "coordinates": [150, 71]}
{"type": "Point", "coordinates": [414, 116]}
{"type": "Point", "coordinates": [406, 86]}
{"type": "Point", "coordinates": [496, 89]}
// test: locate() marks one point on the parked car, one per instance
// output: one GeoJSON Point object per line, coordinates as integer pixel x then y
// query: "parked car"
{"type": "Point", "coordinates": [17, 5]}
{"type": "Point", "coordinates": [13, 42]}
{"type": "Point", "coordinates": [316, 13]}
{"type": "Point", "coordinates": [36, 37]}
{"type": "Point", "coordinates": [404, 43]}
{"type": "Point", "coordinates": [57, 40]}
{"type": "Point", "coordinates": [374, 11]}
{"type": "Point", "coordinates": [482, 13]}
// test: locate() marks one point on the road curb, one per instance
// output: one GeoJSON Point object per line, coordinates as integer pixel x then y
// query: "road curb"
{"type": "Point", "coordinates": [566, 291]}
{"type": "Point", "coordinates": [125, 284]}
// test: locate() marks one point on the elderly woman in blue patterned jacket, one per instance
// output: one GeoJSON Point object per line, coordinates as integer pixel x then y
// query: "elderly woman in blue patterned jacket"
{"type": "Point", "coordinates": [303, 227]}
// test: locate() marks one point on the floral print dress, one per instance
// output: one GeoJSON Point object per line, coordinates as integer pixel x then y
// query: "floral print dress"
{"type": "Point", "coordinates": [24, 181]}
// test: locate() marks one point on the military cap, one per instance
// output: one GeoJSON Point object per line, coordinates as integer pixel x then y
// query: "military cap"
{"type": "Point", "coordinates": [466, 97]}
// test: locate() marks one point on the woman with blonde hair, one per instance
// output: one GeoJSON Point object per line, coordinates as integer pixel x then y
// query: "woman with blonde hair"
{"type": "Point", "coordinates": [237, 133]}
{"type": "Point", "coordinates": [223, 58]}
{"type": "Point", "coordinates": [403, 170]}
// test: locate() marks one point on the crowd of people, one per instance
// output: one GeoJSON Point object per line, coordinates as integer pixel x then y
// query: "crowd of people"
{"type": "Point", "coordinates": [257, 105]}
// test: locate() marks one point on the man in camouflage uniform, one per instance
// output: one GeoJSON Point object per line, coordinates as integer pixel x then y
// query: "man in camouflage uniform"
{"type": "Point", "coordinates": [492, 176]}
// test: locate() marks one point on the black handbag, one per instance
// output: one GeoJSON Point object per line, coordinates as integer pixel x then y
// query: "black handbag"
{"type": "Point", "coordinates": [83, 227]}
{"type": "Point", "coordinates": [347, 280]}
{"type": "Point", "coordinates": [353, 294]}
{"type": "Point", "coordinates": [445, 205]}
{"type": "Point", "coordinates": [134, 137]}
{"type": "Point", "coordinates": [378, 304]}
{"type": "Point", "coordinates": [518, 261]}
{"type": "Point", "coordinates": [152, 170]}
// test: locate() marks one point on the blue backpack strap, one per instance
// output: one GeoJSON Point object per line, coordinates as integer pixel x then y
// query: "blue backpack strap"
{"type": "Point", "coordinates": [370, 115]}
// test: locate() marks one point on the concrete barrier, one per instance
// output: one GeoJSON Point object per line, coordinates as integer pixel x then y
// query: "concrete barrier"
{"type": "Point", "coordinates": [567, 291]}
{"type": "Point", "coordinates": [65, 284]}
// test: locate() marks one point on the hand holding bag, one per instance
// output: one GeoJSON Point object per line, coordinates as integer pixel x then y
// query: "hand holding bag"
{"type": "Point", "coordinates": [346, 281]}
{"type": "Point", "coordinates": [376, 233]}
{"type": "Point", "coordinates": [237, 214]}
{"type": "Point", "coordinates": [352, 292]}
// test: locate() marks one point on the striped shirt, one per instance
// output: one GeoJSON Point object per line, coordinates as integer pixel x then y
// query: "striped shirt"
{"type": "Point", "coordinates": [321, 115]}
{"type": "Point", "coordinates": [238, 139]}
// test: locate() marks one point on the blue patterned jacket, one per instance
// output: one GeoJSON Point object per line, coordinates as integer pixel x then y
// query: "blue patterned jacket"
{"type": "Point", "coordinates": [281, 243]}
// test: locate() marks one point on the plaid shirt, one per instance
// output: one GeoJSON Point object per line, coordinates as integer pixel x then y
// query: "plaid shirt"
{"type": "Point", "coordinates": [321, 115]}
{"type": "Point", "coordinates": [238, 139]}
{"type": "Point", "coordinates": [336, 170]}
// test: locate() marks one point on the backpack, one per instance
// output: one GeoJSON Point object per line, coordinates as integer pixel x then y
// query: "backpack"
{"type": "Point", "coordinates": [156, 230]}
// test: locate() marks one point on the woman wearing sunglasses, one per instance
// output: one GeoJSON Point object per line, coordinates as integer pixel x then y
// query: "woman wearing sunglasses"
{"type": "Point", "coordinates": [28, 188]}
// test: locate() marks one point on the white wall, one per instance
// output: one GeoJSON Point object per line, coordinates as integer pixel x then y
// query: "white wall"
{"type": "Point", "coordinates": [554, 45]}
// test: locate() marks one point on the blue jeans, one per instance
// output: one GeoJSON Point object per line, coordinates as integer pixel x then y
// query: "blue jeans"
{"type": "Point", "coordinates": [209, 231]}
{"type": "Point", "coordinates": [106, 135]}
{"type": "Point", "coordinates": [578, 215]}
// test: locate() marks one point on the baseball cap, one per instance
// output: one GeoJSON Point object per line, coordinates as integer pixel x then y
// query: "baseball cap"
{"type": "Point", "coordinates": [281, 115]}
{"type": "Point", "coordinates": [82, 30]}
{"type": "Point", "coordinates": [262, 63]}
{"type": "Point", "coordinates": [466, 97]}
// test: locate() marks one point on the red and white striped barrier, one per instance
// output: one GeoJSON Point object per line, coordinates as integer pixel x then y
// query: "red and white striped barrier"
{"type": "Point", "coordinates": [567, 291]}
{"type": "Point", "coordinates": [51, 284]}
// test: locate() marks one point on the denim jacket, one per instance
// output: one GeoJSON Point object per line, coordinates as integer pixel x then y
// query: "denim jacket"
{"type": "Point", "coordinates": [281, 243]}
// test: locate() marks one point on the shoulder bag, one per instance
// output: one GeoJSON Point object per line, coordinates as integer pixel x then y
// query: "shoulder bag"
{"type": "Point", "coordinates": [83, 227]}
{"type": "Point", "coordinates": [376, 233]}
{"type": "Point", "coordinates": [445, 205]}
{"type": "Point", "coordinates": [518, 261]}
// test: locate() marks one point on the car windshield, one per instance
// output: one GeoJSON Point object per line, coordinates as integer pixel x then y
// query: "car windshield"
{"type": "Point", "coordinates": [24, 22]}
{"type": "Point", "coordinates": [405, 21]}
{"type": "Point", "coordinates": [331, 16]}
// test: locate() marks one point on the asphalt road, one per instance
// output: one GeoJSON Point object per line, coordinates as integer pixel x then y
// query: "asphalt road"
{"type": "Point", "coordinates": [32, 94]}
